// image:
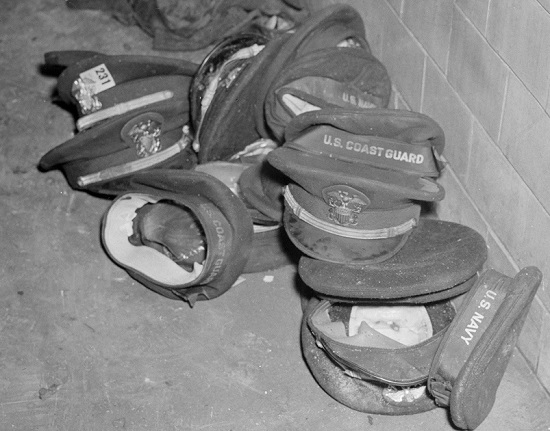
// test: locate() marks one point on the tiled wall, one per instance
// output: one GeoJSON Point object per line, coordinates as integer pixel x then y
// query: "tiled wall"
{"type": "Point", "coordinates": [481, 68]}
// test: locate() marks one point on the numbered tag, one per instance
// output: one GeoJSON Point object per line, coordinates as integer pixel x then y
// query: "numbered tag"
{"type": "Point", "coordinates": [98, 79]}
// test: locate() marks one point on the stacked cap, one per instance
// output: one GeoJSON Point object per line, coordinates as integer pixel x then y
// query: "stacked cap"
{"type": "Point", "coordinates": [357, 175]}
{"type": "Point", "coordinates": [439, 260]}
{"type": "Point", "coordinates": [385, 276]}
{"type": "Point", "coordinates": [379, 325]}
{"type": "Point", "coordinates": [133, 115]}
{"type": "Point", "coordinates": [402, 360]}
{"type": "Point", "coordinates": [348, 384]}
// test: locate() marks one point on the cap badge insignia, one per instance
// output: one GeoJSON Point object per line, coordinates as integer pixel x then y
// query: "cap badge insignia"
{"type": "Point", "coordinates": [345, 204]}
{"type": "Point", "coordinates": [83, 91]}
{"type": "Point", "coordinates": [146, 137]}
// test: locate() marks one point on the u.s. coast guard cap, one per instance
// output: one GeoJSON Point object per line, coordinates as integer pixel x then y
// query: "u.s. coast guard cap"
{"type": "Point", "coordinates": [344, 226]}
{"type": "Point", "coordinates": [357, 174]}
{"type": "Point", "coordinates": [388, 151]}
{"type": "Point", "coordinates": [329, 77]}
{"type": "Point", "coordinates": [223, 233]}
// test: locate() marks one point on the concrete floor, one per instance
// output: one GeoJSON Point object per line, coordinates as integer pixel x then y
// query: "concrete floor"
{"type": "Point", "coordinates": [84, 347]}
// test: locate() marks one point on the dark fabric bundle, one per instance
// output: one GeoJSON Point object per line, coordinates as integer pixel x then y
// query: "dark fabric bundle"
{"type": "Point", "coordinates": [194, 24]}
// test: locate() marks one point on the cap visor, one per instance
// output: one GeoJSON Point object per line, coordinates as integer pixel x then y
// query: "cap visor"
{"type": "Point", "coordinates": [438, 256]}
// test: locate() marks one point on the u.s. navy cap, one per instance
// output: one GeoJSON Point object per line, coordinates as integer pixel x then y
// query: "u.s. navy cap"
{"type": "Point", "coordinates": [474, 353]}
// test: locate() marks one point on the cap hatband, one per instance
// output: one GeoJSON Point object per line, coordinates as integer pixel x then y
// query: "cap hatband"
{"type": "Point", "coordinates": [379, 152]}
{"type": "Point", "coordinates": [344, 212]}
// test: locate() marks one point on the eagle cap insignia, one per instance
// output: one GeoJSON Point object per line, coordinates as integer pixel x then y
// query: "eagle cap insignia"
{"type": "Point", "coordinates": [83, 90]}
{"type": "Point", "coordinates": [345, 204]}
{"type": "Point", "coordinates": [144, 132]}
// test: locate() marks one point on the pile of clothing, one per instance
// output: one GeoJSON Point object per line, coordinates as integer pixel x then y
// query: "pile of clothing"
{"type": "Point", "coordinates": [188, 25]}
{"type": "Point", "coordinates": [280, 149]}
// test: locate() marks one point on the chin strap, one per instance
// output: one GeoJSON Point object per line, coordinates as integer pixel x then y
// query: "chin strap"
{"type": "Point", "coordinates": [381, 233]}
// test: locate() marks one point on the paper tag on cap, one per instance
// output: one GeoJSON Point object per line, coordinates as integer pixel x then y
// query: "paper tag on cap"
{"type": "Point", "coordinates": [98, 78]}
